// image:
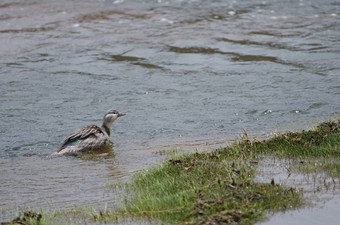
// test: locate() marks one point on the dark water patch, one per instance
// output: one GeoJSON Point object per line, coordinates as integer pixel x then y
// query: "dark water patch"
{"type": "Point", "coordinates": [259, 58]}
{"type": "Point", "coordinates": [193, 50]}
{"type": "Point", "coordinates": [316, 49]}
{"type": "Point", "coordinates": [235, 56]}
{"type": "Point", "coordinates": [252, 112]}
{"type": "Point", "coordinates": [36, 58]}
{"type": "Point", "coordinates": [92, 17]}
{"type": "Point", "coordinates": [106, 15]}
{"type": "Point", "coordinates": [147, 65]}
{"type": "Point", "coordinates": [265, 33]}
{"type": "Point", "coordinates": [48, 27]}
{"type": "Point", "coordinates": [277, 33]}
{"type": "Point", "coordinates": [14, 64]}
{"type": "Point", "coordinates": [336, 88]}
{"type": "Point", "coordinates": [88, 74]}
{"type": "Point", "coordinates": [18, 3]}
{"type": "Point", "coordinates": [266, 44]}
{"type": "Point", "coordinates": [138, 61]}
{"type": "Point", "coordinates": [249, 58]}
{"type": "Point", "coordinates": [317, 105]}
{"type": "Point", "coordinates": [190, 21]}
{"type": "Point", "coordinates": [121, 58]}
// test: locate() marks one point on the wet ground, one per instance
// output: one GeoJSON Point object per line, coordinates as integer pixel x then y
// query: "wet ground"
{"type": "Point", "coordinates": [190, 74]}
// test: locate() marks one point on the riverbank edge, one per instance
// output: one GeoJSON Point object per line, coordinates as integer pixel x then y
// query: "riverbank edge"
{"type": "Point", "coordinates": [218, 187]}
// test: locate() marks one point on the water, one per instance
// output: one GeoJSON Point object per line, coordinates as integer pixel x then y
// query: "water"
{"type": "Point", "coordinates": [321, 191]}
{"type": "Point", "coordinates": [190, 74]}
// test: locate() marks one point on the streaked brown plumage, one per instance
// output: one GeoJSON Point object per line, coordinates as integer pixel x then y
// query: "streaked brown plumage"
{"type": "Point", "coordinates": [89, 137]}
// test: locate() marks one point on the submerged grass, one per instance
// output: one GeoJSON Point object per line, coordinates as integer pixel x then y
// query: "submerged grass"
{"type": "Point", "coordinates": [219, 187]}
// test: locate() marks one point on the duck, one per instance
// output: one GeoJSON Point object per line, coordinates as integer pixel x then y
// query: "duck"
{"type": "Point", "coordinates": [91, 137]}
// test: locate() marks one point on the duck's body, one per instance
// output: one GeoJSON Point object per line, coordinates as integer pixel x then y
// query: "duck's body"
{"type": "Point", "coordinates": [90, 137]}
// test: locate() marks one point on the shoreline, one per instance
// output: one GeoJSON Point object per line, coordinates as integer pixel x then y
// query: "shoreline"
{"type": "Point", "coordinates": [231, 169]}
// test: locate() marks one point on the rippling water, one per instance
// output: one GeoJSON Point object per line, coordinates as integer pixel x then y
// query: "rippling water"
{"type": "Point", "coordinates": [188, 73]}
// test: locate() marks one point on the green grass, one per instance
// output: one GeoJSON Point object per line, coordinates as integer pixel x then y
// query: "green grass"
{"type": "Point", "coordinates": [203, 187]}
{"type": "Point", "coordinates": [318, 142]}
{"type": "Point", "coordinates": [219, 186]}
{"type": "Point", "coordinates": [317, 149]}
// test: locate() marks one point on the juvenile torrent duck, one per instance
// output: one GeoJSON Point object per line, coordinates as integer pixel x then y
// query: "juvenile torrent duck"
{"type": "Point", "coordinates": [89, 137]}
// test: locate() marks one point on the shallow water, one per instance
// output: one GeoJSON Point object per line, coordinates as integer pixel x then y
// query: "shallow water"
{"type": "Point", "coordinates": [190, 74]}
{"type": "Point", "coordinates": [321, 191]}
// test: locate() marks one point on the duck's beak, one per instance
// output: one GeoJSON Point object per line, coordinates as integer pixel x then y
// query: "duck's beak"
{"type": "Point", "coordinates": [122, 114]}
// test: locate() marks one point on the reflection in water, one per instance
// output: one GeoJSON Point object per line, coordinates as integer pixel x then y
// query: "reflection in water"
{"type": "Point", "coordinates": [191, 74]}
{"type": "Point", "coordinates": [106, 152]}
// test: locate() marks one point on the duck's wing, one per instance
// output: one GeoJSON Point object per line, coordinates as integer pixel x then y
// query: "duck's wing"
{"type": "Point", "coordinates": [80, 134]}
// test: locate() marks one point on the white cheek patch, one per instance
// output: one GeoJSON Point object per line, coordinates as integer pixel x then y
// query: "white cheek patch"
{"type": "Point", "coordinates": [115, 116]}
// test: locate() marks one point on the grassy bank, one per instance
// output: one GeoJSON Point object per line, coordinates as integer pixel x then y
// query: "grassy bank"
{"type": "Point", "coordinates": [218, 186]}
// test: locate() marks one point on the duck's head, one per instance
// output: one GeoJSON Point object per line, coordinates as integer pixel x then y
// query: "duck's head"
{"type": "Point", "coordinates": [110, 116]}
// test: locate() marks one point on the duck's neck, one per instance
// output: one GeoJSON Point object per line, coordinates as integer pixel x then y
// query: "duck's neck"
{"type": "Point", "coordinates": [106, 128]}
